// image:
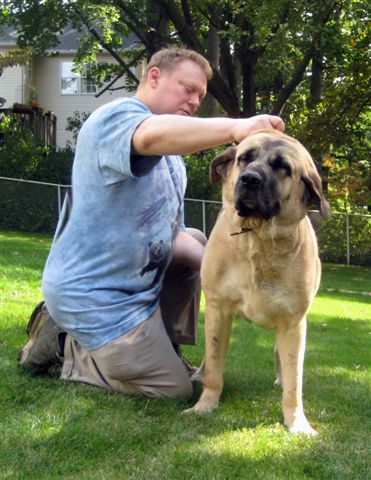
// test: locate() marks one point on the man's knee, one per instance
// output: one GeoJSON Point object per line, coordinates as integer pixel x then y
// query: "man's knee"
{"type": "Point", "coordinates": [197, 235]}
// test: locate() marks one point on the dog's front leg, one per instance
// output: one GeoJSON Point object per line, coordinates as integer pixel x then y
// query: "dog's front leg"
{"type": "Point", "coordinates": [217, 333]}
{"type": "Point", "coordinates": [291, 349]}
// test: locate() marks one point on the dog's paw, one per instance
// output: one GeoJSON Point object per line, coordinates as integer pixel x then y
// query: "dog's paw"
{"type": "Point", "coordinates": [199, 409]}
{"type": "Point", "coordinates": [208, 402]}
{"type": "Point", "coordinates": [189, 411]}
{"type": "Point", "coordinates": [302, 427]}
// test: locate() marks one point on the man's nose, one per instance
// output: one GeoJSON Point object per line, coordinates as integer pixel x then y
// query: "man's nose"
{"type": "Point", "coordinates": [194, 100]}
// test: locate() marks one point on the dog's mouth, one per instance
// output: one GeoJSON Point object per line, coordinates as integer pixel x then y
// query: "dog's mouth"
{"type": "Point", "coordinates": [246, 209]}
{"type": "Point", "coordinates": [249, 208]}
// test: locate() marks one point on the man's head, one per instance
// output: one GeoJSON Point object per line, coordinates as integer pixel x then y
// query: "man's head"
{"type": "Point", "coordinates": [175, 81]}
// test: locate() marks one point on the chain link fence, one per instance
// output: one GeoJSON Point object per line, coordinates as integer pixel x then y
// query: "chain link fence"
{"type": "Point", "coordinates": [35, 206]}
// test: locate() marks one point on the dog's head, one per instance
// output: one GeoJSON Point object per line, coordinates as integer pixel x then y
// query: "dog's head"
{"type": "Point", "coordinates": [269, 174]}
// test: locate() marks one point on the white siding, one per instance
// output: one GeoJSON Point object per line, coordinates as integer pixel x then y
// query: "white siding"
{"type": "Point", "coordinates": [12, 84]}
{"type": "Point", "coordinates": [46, 79]}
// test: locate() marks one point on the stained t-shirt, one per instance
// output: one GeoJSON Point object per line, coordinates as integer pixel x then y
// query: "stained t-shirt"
{"type": "Point", "coordinates": [105, 269]}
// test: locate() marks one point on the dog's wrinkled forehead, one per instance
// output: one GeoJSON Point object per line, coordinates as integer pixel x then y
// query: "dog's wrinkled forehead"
{"type": "Point", "coordinates": [262, 146]}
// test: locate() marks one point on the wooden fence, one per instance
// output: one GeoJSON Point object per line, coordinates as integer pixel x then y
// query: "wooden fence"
{"type": "Point", "coordinates": [42, 122]}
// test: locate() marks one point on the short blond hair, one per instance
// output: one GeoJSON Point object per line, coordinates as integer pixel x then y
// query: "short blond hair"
{"type": "Point", "coordinates": [169, 58]}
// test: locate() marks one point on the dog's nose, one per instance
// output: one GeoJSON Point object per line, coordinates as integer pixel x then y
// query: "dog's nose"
{"type": "Point", "coordinates": [251, 179]}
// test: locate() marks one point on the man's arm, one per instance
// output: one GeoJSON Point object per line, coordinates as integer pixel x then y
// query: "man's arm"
{"type": "Point", "coordinates": [180, 135]}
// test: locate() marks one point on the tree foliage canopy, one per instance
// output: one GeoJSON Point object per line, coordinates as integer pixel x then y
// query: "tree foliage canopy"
{"type": "Point", "coordinates": [307, 60]}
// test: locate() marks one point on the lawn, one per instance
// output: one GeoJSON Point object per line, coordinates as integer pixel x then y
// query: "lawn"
{"type": "Point", "coordinates": [50, 429]}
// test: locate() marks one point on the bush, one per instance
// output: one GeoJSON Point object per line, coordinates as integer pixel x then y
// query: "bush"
{"type": "Point", "coordinates": [198, 166]}
{"type": "Point", "coordinates": [22, 155]}
{"type": "Point", "coordinates": [29, 207]}
{"type": "Point", "coordinates": [332, 239]}
{"type": "Point", "coordinates": [25, 206]}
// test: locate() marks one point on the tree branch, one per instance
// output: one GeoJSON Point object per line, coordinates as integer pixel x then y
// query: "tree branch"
{"type": "Point", "coordinates": [294, 82]}
{"type": "Point", "coordinates": [184, 30]}
{"type": "Point", "coordinates": [302, 66]}
{"type": "Point", "coordinates": [107, 47]}
{"type": "Point", "coordinates": [217, 86]}
{"type": "Point", "coordinates": [187, 12]}
{"type": "Point", "coordinates": [108, 87]}
{"type": "Point", "coordinates": [134, 23]}
{"type": "Point", "coordinates": [117, 57]}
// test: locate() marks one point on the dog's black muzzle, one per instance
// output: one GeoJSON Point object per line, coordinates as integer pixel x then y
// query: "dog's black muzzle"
{"type": "Point", "coordinates": [256, 192]}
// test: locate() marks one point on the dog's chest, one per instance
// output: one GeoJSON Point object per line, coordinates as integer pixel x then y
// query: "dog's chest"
{"type": "Point", "coordinates": [262, 293]}
{"type": "Point", "coordinates": [265, 298]}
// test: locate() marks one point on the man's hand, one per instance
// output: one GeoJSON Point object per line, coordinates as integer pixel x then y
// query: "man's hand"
{"type": "Point", "coordinates": [245, 127]}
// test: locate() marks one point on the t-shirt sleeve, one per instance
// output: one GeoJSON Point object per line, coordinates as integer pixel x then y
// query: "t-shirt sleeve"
{"type": "Point", "coordinates": [115, 148]}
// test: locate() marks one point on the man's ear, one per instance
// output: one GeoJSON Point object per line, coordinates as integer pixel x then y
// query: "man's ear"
{"type": "Point", "coordinates": [221, 164]}
{"type": "Point", "coordinates": [153, 76]}
{"type": "Point", "coordinates": [314, 196]}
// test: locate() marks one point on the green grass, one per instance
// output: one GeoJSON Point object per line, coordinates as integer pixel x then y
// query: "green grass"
{"type": "Point", "coordinates": [50, 429]}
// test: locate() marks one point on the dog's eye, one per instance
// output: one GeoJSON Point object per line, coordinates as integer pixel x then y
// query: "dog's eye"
{"type": "Point", "coordinates": [247, 157]}
{"type": "Point", "coordinates": [278, 163]}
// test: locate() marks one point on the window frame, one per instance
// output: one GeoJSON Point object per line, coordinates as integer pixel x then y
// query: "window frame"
{"type": "Point", "coordinates": [78, 78]}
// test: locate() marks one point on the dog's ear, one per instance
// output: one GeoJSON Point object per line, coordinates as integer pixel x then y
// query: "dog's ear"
{"type": "Point", "coordinates": [220, 165]}
{"type": "Point", "coordinates": [314, 194]}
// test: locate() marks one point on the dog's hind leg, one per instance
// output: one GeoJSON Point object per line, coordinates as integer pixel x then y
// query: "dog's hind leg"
{"type": "Point", "coordinates": [291, 348]}
{"type": "Point", "coordinates": [217, 333]}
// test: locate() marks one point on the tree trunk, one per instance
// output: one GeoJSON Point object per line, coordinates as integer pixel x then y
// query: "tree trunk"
{"type": "Point", "coordinates": [316, 80]}
{"type": "Point", "coordinates": [249, 88]}
{"type": "Point", "coordinates": [209, 104]}
{"type": "Point", "coordinates": [159, 22]}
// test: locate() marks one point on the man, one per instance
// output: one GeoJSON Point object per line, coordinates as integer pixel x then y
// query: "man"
{"type": "Point", "coordinates": [122, 277]}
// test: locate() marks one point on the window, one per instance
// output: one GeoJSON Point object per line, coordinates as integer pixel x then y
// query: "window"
{"type": "Point", "coordinates": [76, 84]}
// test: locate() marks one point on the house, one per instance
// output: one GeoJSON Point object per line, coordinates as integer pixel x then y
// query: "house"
{"type": "Point", "coordinates": [59, 90]}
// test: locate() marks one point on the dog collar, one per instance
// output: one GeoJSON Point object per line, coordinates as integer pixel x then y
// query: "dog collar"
{"type": "Point", "coordinates": [243, 230]}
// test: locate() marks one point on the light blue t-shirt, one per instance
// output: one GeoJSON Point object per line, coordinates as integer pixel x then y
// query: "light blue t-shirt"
{"type": "Point", "coordinates": [105, 269]}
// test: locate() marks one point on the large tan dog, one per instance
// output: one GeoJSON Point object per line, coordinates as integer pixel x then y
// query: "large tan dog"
{"type": "Point", "coordinates": [261, 261]}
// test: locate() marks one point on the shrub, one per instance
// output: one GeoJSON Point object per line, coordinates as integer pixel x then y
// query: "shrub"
{"type": "Point", "coordinates": [22, 155]}
{"type": "Point", "coordinates": [25, 206]}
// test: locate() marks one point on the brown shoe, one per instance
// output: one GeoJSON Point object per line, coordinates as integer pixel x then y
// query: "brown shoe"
{"type": "Point", "coordinates": [42, 350]}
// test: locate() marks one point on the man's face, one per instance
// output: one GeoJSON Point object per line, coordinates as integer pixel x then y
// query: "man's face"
{"type": "Point", "coordinates": [178, 91]}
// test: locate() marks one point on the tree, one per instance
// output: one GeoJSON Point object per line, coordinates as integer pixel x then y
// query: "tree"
{"type": "Point", "coordinates": [260, 51]}
{"type": "Point", "coordinates": [337, 126]}
{"type": "Point", "coordinates": [14, 57]}
{"type": "Point", "coordinates": [296, 58]}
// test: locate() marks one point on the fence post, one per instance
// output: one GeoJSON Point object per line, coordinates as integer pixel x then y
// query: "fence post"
{"type": "Point", "coordinates": [204, 217]}
{"type": "Point", "coordinates": [59, 199]}
{"type": "Point", "coordinates": [347, 236]}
